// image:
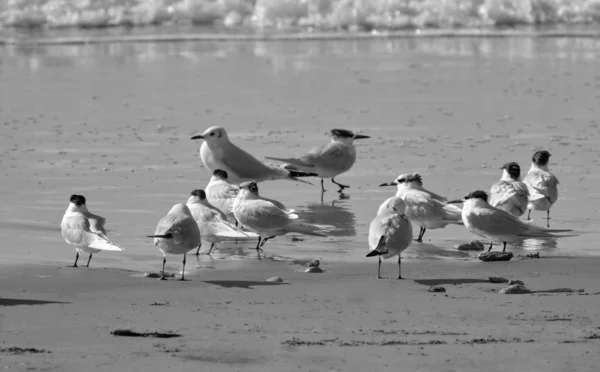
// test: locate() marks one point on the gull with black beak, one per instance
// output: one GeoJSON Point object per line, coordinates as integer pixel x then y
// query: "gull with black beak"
{"type": "Point", "coordinates": [390, 232]}
{"type": "Point", "coordinates": [212, 223]}
{"type": "Point", "coordinates": [329, 160]}
{"type": "Point", "coordinates": [217, 152]}
{"type": "Point", "coordinates": [266, 219]}
{"type": "Point", "coordinates": [510, 194]}
{"type": "Point", "coordinates": [221, 194]}
{"type": "Point", "coordinates": [85, 230]}
{"type": "Point", "coordinates": [494, 224]}
{"type": "Point", "coordinates": [423, 207]}
{"type": "Point", "coordinates": [176, 233]}
{"type": "Point", "coordinates": [543, 185]}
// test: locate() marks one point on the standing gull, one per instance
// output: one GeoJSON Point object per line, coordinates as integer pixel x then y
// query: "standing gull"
{"type": "Point", "coordinates": [390, 232]}
{"type": "Point", "coordinates": [329, 160]}
{"type": "Point", "coordinates": [266, 219]}
{"type": "Point", "coordinates": [217, 152]}
{"type": "Point", "coordinates": [85, 230]}
{"type": "Point", "coordinates": [543, 185]}
{"type": "Point", "coordinates": [494, 224]}
{"type": "Point", "coordinates": [212, 223]}
{"type": "Point", "coordinates": [176, 233]}
{"type": "Point", "coordinates": [423, 207]}
{"type": "Point", "coordinates": [510, 194]}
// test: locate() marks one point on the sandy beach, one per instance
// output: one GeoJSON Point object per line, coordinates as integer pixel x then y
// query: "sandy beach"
{"type": "Point", "coordinates": [343, 319]}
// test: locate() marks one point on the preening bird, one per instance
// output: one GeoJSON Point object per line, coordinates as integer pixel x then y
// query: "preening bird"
{"type": "Point", "coordinates": [510, 194]}
{"type": "Point", "coordinates": [542, 185]}
{"type": "Point", "coordinates": [85, 230]}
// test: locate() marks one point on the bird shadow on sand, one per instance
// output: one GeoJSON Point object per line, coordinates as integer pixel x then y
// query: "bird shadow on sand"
{"type": "Point", "coordinates": [19, 302]}
{"type": "Point", "coordinates": [247, 284]}
{"type": "Point", "coordinates": [455, 281]}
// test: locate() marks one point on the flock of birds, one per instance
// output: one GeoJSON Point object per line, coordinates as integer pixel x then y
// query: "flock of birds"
{"type": "Point", "coordinates": [230, 208]}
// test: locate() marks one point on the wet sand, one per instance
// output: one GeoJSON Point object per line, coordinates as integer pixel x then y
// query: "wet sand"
{"type": "Point", "coordinates": [341, 320]}
{"type": "Point", "coordinates": [113, 122]}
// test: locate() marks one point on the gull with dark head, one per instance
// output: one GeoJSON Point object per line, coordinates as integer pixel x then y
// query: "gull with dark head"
{"type": "Point", "coordinates": [390, 232]}
{"type": "Point", "coordinates": [212, 223]}
{"type": "Point", "coordinates": [542, 185]}
{"type": "Point", "coordinates": [218, 152]}
{"type": "Point", "coordinates": [266, 219]}
{"type": "Point", "coordinates": [423, 207]}
{"type": "Point", "coordinates": [510, 194]}
{"type": "Point", "coordinates": [85, 230]}
{"type": "Point", "coordinates": [176, 233]}
{"type": "Point", "coordinates": [494, 224]}
{"type": "Point", "coordinates": [329, 160]}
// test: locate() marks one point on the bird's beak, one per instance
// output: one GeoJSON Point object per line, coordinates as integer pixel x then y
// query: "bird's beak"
{"type": "Point", "coordinates": [199, 136]}
{"type": "Point", "coordinates": [360, 136]}
{"type": "Point", "coordinates": [393, 183]}
{"type": "Point", "coordinates": [457, 201]}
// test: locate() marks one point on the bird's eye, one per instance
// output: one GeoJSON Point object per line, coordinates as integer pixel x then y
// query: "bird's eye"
{"type": "Point", "coordinates": [212, 133]}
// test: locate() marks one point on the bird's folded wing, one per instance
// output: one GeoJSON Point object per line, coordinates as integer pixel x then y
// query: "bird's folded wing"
{"type": "Point", "coordinates": [243, 164]}
{"type": "Point", "coordinates": [498, 221]}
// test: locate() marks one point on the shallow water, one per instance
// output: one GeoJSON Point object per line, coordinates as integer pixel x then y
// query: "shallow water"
{"type": "Point", "coordinates": [112, 121]}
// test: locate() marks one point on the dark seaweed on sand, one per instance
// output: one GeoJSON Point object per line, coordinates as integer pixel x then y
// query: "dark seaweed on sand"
{"type": "Point", "coordinates": [130, 333]}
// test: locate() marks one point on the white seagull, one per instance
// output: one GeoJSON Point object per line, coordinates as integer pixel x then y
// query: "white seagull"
{"type": "Point", "coordinates": [423, 207]}
{"type": "Point", "coordinates": [390, 232]}
{"type": "Point", "coordinates": [510, 194]}
{"type": "Point", "coordinates": [221, 194]}
{"type": "Point", "coordinates": [212, 223]}
{"type": "Point", "coordinates": [329, 160]}
{"type": "Point", "coordinates": [85, 230]}
{"type": "Point", "coordinates": [217, 152]}
{"type": "Point", "coordinates": [176, 233]}
{"type": "Point", "coordinates": [543, 185]}
{"type": "Point", "coordinates": [266, 219]}
{"type": "Point", "coordinates": [494, 224]}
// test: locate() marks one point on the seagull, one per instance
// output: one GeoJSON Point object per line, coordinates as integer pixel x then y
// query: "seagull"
{"type": "Point", "coordinates": [329, 160]}
{"type": "Point", "coordinates": [221, 194]}
{"type": "Point", "coordinates": [266, 219]}
{"type": "Point", "coordinates": [390, 232]}
{"type": "Point", "coordinates": [494, 224]}
{"type": "Point", "coordinates": [85, 230]}
{"type": "Point", "coordinates": [425, 208]}
{"type": "Point", "coordinates": [212, 223]}
{"type": "Point", "coordinates": [176, 233]}
{"type": "Point", "coordinates": [543, 185]}
{"type": "Point", "coordinates": [510, 194]}
{"type": "Point", "coordinates": [217, 152]}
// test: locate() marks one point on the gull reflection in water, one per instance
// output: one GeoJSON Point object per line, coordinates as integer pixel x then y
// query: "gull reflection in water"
{"type": "Point", "coordinates": [337, 214]}
{"type": "Point", "coordinates": [534, 244]}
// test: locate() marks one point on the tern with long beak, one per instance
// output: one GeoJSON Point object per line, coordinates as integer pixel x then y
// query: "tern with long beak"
{"type": "Point", "coordinates": [212, 223]}
{"type": "Point", "coordinates": [85, 230]}
{"type": "Point", "coordinates": [510, 194]}
{"type": "Point", "coordinates": [221, 194]}
{"type": "Point", "coordinates": [176, 233]}
{"type": "Point", "coordinates": [329, 160]}
{"type": "Point", "coordinates": [267, 220]}
{"type": "Point", "coordinates": [543, 185]}
{"type": "Point", "coordinates": [494, 224]}
{"type": "Point", "coordinates": [390, 232]}
{"type": "Point", "coordinates": [423, 207]}
{"type": "Point", "coordinates": [217, 152]}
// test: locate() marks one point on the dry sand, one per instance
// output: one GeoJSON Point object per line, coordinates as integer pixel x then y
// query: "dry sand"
{"type": "Point", "coordinates": [341, 320]}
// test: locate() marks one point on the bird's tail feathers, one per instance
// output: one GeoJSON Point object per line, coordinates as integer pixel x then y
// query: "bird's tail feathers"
{"type": "Point", "coordinates": [380, 249]}
{"type": "Point", "coordinates": [105, 245]}
{"type": "Point", "coordinates": [291, 161]}
{"type": "Point", "coordinates": [163, 236]}
{"type": "Point", "coordinates": [309, 229]}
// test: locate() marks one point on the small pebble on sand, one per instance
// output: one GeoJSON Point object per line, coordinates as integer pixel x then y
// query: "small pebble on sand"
{"type": "Point", "coordinates": [313, 270]}
{"type": "Point", "coordinates": [495, 256]}
{"type": "Point", "coordinates": [436, 288]}
{"type": "Point", "coordinates": [275, 279]}
{"type": "Point", "coordinates": [515, 289]}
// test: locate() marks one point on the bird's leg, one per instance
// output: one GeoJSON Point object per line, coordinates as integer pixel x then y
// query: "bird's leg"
{"type": "Point", "coordinates": [89, 259]}
{"type": "Point", "coordinates": [529, 215]}
{"type": "Point", "coordinates": [76, 258]}
{"type": "Point", "coordinates": [198, 251]}
{"type": "Point", "coordinates": [548, 218]}
{"type": "Point", "coordinates": [342, 187]}
{"type": "Point", "coordinates": [211, 247]}
{"type": "Point", "coordinates": [322, 187]}
{"type": "Point", "coordinates": [162, 277]}
{"type": "Point", "coordinates": [183, 270]}
{"type": "Point", "coordinates": [421, 233]}
{"type": "Point", "coordinates": [258, 247]}
{"type": "Point", "coordinates": [399, 267]}
{"type": "Point", "coordinates": [379, 268]}
{"type": "Point", "coordinates": [491, 244]}
{"type": "Point", "coordinates": [504, 248]}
